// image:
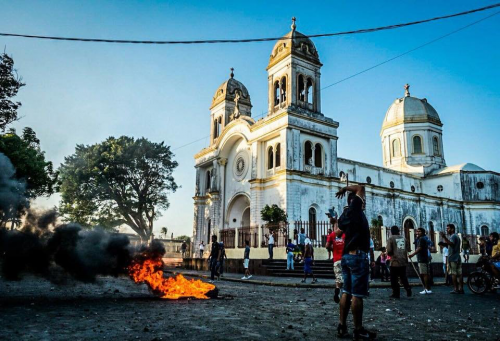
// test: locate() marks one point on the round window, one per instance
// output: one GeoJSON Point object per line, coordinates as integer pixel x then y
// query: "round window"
{"type": "Point", "coordinates": [392, 184]}
{"type": "Point", "coordinates": [480, 185]}
{"type": "Point", "coordinates": [440, 188]}
{"type": "Point", "coordinates": [413, 189]}
{"type": "Point", "coordinates": [240, 165]}
{"type": "Point", "coordinates": [368, 180]}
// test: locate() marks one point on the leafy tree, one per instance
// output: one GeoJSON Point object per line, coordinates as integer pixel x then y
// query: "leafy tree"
{"type": "Point", "coordinates": [164, 232]}
{"type": "Point", "coordinates": [29, 161]}
{"type": "Point", "coordinates": [10, 83]}
{"type": "Point", "coordinates": [183, 237]}
{"type": "Point", "coordinates": [273, 215]}
{"type": "Point", "coordinates": [30, 170]}
{"type": "Point", "coordinates": [119, 181]}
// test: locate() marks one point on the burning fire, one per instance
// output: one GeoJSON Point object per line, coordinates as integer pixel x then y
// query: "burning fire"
{"type": "Point", "coordinates": [149, 271]}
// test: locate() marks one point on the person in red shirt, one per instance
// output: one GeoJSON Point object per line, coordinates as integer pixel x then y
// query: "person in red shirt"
{"type": "Point", "coordinates": [335, 244]}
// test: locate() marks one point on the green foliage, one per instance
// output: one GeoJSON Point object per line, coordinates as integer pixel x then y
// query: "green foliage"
{"type": "Point", "coordinates": [376, 223]}
{"type": "Point", "coordinates": [186, 238]}
{"type": "Point", "coordinates": [29, 161]}
{"type": "Point", "coordinates": [164, 232]}
{"type": "Point", "coordinates": [273, 214]}
{"type": "Point", "coordinates": [10, 84]}
{"type": "Point", "coordinates": [119, 181]}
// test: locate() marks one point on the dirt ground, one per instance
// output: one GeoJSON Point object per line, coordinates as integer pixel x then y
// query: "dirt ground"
{"type": "Point", "coordinates": [117, 309]}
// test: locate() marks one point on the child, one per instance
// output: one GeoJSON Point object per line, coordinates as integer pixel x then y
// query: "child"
{"type": "Point", "coordinates": [384, 271]}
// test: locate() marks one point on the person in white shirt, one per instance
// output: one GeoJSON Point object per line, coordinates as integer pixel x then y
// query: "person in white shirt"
{"type": "Point", "coordinates": [202, 249]}
{"type": "Point", "coordinates": [270, 244]}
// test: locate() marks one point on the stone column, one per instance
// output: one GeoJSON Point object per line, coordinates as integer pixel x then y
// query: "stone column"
{"type": "Point", "coordinates": [222, 164]}
{"type": "Point", "coordinates": [333, 158]}
{"type": "Point", "coordinates": [254, 161]}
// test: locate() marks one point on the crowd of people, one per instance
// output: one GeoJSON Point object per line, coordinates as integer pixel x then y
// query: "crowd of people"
{"type": "Point", "coordinates": [351, 249]}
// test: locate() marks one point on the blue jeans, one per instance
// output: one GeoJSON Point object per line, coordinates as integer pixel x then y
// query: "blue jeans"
{"type": "Point", "coordinates": [356, 271]}
{"type": "Point", "coordinates": [289, 261]}
{"type": "Point", "coordinates": [270, 247]}
{"type": "Point", "coordinates": [213, 268]}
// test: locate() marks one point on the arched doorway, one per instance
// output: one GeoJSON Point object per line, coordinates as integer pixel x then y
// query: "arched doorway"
{"type": "Point", "coordinates": [245, 219]}
{"type": "Point", "coordinates": [409, 228]}
{"type": "Point", "coordinates": [238, 212]}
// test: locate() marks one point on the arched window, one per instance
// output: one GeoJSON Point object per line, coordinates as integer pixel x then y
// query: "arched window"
{"type": "Point", "coordinates": [485, 231]}
{"type": "Point", "coordinates": [216, 129]}
{"type": "Point", "coordinates": [435, 146]}
{"type": "Point", "coordinates": [270, 158]}
{"type": "Point", "coordinates": [396, 148]}
{"type": "Point", "coordinates": [301, 89]}
{"type": "Point", "coordinates": [283, 90]}
{"type": "Point", "coordinates": [207, 180]}
{"type": "Point", "coordinates": [312, 223]}
{"type": "Point", "coordinates": [417, 145]}
{"type": "Point", "coordinates": [278, 155]}
{"type": "Point", "coordinates": [431, 233]}
{"type": "Point", "coordinates": [308, 154]}
{"type": "Point", "coordinates": [309, 90]}
{"type": "Point", "coordinates": [209, 227]}
{"type": "Point", "coordinates": [318, 156]}
{"type": "Point", "coordinates": [276, 93]}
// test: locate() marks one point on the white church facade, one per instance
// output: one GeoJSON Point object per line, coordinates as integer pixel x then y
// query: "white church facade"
{"type": "Point", "coordinates": [289, 158]}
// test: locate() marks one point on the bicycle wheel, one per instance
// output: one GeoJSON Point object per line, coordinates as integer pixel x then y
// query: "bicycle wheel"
{"type": "Point", "coordinates": [478, 283]}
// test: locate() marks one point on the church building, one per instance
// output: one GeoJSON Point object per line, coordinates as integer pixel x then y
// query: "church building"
{"type": "Point", "coordinates": [289, 158]}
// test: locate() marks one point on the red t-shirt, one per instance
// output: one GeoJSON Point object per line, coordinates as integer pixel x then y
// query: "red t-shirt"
{"type": "Point", "coordinates": [337, 245]}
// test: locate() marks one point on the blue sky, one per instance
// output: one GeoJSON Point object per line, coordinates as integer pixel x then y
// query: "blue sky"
{"type": "Point", "coordinates": [81, 93]}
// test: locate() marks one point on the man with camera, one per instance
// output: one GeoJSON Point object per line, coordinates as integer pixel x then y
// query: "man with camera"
{"type": "Point", "coordinates": [355, 264]}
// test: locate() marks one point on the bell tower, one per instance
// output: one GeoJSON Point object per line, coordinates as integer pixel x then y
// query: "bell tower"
{"type": "Point", "coordinates": [294, 74]}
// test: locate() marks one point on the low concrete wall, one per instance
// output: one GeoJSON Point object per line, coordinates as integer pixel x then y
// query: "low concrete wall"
{"type": "Point", "coordinates": [230, 265]}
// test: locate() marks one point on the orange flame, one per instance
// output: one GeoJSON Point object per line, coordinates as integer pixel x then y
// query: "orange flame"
{"type": "Point", "coordinates": [149, 271]}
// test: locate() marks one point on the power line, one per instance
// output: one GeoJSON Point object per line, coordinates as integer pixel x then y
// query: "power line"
{"type": "Point", "coordinates": [225, 41]}
{"type": "Point", "coordinates": [379, 64]}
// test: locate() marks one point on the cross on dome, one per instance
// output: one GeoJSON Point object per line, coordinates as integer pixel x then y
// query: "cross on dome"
{"type": "Point", "coordinates": [407, 90]}
{"type": "Point", "coordinates": [293, 23]}
{"type": "Point", "coordinates": [232, 72]}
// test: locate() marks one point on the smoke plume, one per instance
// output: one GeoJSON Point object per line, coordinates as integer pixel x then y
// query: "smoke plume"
{"type": "Point", "coordinates": [82, 254]}
{"type": "Point", "coordinates": [12, 198]}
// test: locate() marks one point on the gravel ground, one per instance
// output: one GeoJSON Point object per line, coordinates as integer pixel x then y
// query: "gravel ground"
{"type": "Point", "coordinates": [117, 309]}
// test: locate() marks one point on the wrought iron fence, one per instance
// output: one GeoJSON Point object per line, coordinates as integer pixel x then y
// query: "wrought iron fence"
{"type": "Point", "coordinates": [248, 233]}
{"type": "Point", "coordinates": [280, 232]}
{"type": "Point", "coordinates": [316, 231]}
{"type": "Point", "coordinates": [227, 236]}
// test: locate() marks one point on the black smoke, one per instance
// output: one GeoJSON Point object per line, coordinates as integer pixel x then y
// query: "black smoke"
{"type": "Point", "coordinates": [12, 191]}
{"type": "Point", "coordinates": [69, 249]}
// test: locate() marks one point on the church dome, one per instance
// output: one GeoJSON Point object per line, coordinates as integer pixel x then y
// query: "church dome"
{"type": "Point", "coordinates": [410, 110]}
{"type": "Point", "coordinates": [227, 92]}
{"type": "Point", "coordinates": [294, 43]}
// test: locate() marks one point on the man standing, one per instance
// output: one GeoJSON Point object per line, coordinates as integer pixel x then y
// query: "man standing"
{"type": "Point", "coordinates": [355, 265]}
{"type": "Point", "coordinates": [329, 250]}
{"type": "Point", "coordinates": [183, 249]}
{"type": "Point", "coordinates": [308, 261]}
{"type": "Point", "coordinates": [302, 243]}
{"type": "Point", "coordinates": [214, 258]}
{"type": "Point", "coordinates": [454, 259]}
{"type": "Point", "coordinates": [202, 249]}
{"type": "Point", "coordinates": [466, 248]}
{"type": "Point", "coordinates": [335, 244]}
{"type": "Point", "coordinates": [422, 253]}
{"type": "Point", "coordinates": [246, 261]}
{"type": "Point", "coordinates": [270, 244]}
{"type": "Point", "coordinates": [396, 248]}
